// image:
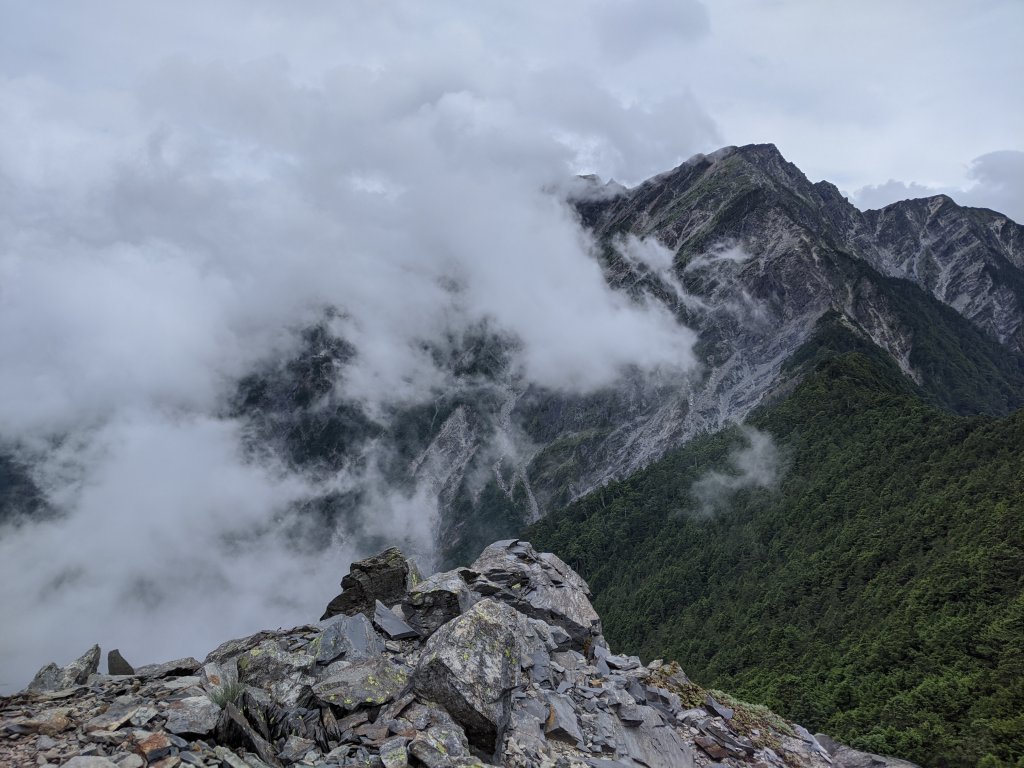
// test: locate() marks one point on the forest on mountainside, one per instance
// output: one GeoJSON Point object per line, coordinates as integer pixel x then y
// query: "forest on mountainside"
{"type": "Point", "coordinates": [875, 593]}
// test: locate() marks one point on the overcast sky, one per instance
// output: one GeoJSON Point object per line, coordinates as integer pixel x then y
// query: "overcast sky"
{"type": "Point", "coordinates": [903, 97]}
{"type": "Point", "coordinates": [183, 185]}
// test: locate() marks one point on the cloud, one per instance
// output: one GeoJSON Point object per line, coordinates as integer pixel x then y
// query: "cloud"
{"type": "Point", "coordinates": [999, 183]}
{"type": "Point", "coordinates": [996, 182]}
{"type": "Point", "coordinates": [179, 199]}
{"type": "Point", "coordinates": [758, 464]}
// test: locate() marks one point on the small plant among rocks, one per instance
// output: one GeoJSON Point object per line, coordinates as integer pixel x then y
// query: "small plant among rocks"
{"type": "Point", "coordinates": [226, 694]}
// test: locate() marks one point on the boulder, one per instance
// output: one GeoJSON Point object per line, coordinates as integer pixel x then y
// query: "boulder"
{"type": "Point", "coordinates": [193, 715]}
{"type": "Point", "coordinates": [295, 748]}
{"type": "Point", "coordinates": [387, 577]}
{"type": "Point", "coordinates": [177, 668]}
{"type": "Point", "coordinates": [437, 600]}
{"type": "Point", "coordinates": [367, 683]}
{"type": "Point", "coordinates": [540, 586]}
{"type": "Point", "coordinates": [116, 664]}
{"type": "Point", "coordinates": [54, 678]}
{"type": "Point", "coordinates": [351, 638]}
{"type": "Point", "coordinates": [470, 665]}
{"type": "Point", "coordinates": [286, 676]}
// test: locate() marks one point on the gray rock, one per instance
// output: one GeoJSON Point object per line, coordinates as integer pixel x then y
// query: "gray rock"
{"type": "Point", "coordinates": [176, 668]}
{"type": "Point", "coordinates": [117, 715]}
{"type": "Point", "coordinates": [352, 638]}
{"type": "Point", "coordinates": [295, 748]}
{"type": "Point", "coordinates": [804, 734]}
{"type": "Point", "coordinates": [143, 715]}
{"type": "Point", "coordinates": [387, 622]}
{"type": "Point", "coordinates": [284, 675]}
{"type": "Point", "coordinates": [847, 757]}
{"type": "Point", "coordinates": [216, 677]}
{"type": "Point", "coordinates": [469, 665]}
{"type": "Point", "coordinates": [367, 683]}
{"type": "Point", "coordinates": [561, 722]}
{"type": "Point", "coordinates": [715, 708]}
{"type": "Point", "coordinates": [153, 746]}
{"type": "Point", "coordinates": [116, 664]}
{"type": "Point", "coordinates": [437, 600]}
{"type": "Point", "coordinates": [229, 758]}
{"type": "Point", "coordinates": [656, 747]}
{"type": "Point", "coordinates": [229, 650]}
{"type": "Point", "coordinates": [387, 577]}
{"type": "Point", "coordinates": [81, 761]}
{"type": "Point", "coordinates": [234, 729]}
{"type": "Point", "coordinates": [393, 753]}
{"type": "Point", "coordinates": [540, 586]}
{"type": "Point", "coordinates": [193, 715]}
{"type": "Point", "coordinates": [439, 747]}
{"type": "Point", "coordinates": [826, 742]}
{"type": "Point", "coordinates": [54, 678]}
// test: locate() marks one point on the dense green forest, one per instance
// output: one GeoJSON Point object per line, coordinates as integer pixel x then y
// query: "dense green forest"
{"type": "Point", "coordinates": [875, 592]}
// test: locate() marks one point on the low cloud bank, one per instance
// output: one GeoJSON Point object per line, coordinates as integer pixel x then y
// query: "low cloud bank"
{"type": "Point", "coordinates": [757, 464]}
{"type": "Point", "coordinates": [160, 238]}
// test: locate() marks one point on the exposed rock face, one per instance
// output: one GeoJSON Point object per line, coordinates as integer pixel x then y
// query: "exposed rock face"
{"type": "Point", "coordinates": [516, 674]}
{"type": "Point", "coordinates": [739, 246]}
{"type": "Point", "coordinates": [54, 678]}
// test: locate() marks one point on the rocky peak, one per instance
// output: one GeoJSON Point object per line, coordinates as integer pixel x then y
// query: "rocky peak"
{"type": "Point", "coordinates": [500, 663]}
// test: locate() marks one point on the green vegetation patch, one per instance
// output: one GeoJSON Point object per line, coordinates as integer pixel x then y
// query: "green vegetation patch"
{"type": "Point", "coordinates": [876, 594]}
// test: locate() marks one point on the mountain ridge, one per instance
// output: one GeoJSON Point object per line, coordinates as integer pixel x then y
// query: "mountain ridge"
{"type": "Point", "coordinates": [500, 663]}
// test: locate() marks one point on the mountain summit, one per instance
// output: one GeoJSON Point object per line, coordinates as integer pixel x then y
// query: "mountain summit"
{"type": "Point", "coordinates": [500, 663]}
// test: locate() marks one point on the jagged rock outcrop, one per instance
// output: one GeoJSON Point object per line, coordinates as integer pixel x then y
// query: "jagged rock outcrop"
{"type": "Point", "coordinates": [517, 674]}
{"type": "Point", "coordinates": [386, 577]}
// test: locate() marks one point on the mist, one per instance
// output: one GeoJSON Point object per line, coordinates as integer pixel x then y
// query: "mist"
{"type": "Point", "coordinates": [162, 236]}
{"type": "Point", "coordinates": [757, 464]}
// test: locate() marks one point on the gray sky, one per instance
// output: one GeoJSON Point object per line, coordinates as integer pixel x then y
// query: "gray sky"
{"type": "Point", "coordinates": [862, 94]}
{"type": "Point", "coordinates": [182, 185]}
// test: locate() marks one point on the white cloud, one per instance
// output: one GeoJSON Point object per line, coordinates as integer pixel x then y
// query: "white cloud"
{"type": "Point", "coordinates": [996, 181]}
{"type": "Point", "coordinates": [181, 192]}
{"type": "Point", "coordinates": [755, 465]}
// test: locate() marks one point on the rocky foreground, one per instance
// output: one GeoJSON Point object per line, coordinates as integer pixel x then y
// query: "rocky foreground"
{"type": "Point", "coordinates": [501, 663]}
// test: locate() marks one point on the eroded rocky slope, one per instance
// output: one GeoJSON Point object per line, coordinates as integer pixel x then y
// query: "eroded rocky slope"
{"type": "Point", "coordinates": [501, 663]}
{"type": "Point", "coordinates": [738, 245]}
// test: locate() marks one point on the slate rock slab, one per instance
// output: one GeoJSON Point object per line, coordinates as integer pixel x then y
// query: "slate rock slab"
{"type": "Point", "coordinates": [193, 715]}
{"type": "Point", "coordinates": [234, 729]}
{"type": "Point", "coordinates": [437, 600]}
{"type": "Point", "coordinates": [116, 664]}
{"type": "Point", "coordinates": [367, 683]}
{"type": "Point", "coordinates": [177, 668]}
{"type": "Point", "coordinates": [387, 622]}
{"type": "Point", "coordinates": [351, 638]}
{"type": "Point", "coordinates": [470, 665]}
